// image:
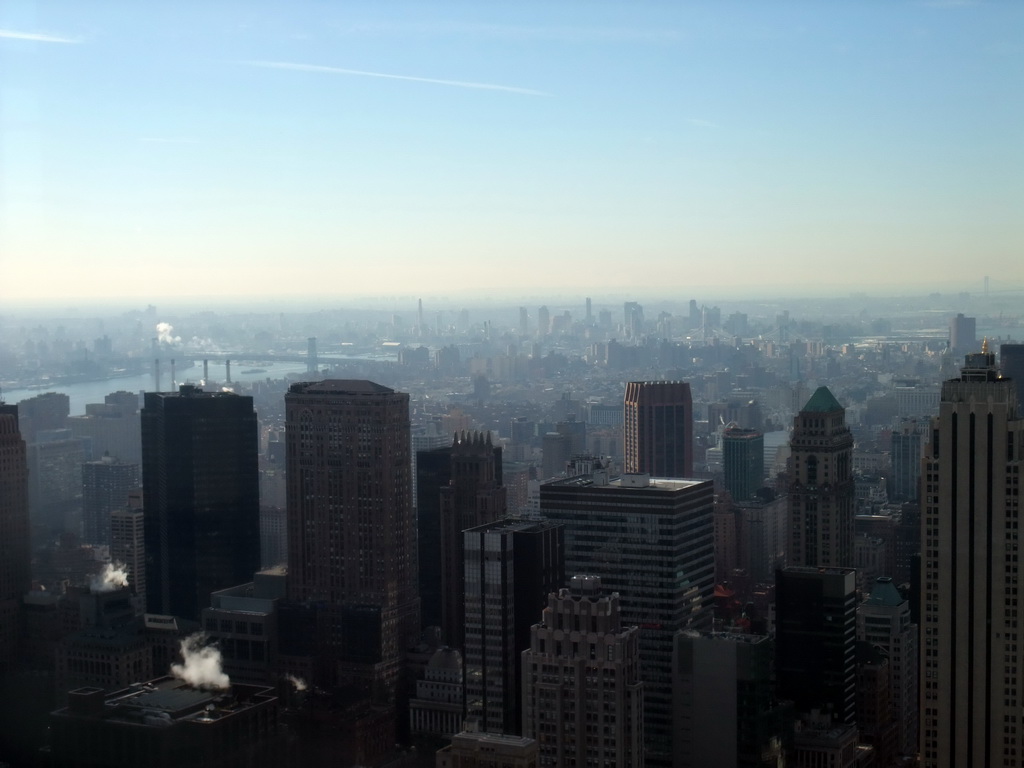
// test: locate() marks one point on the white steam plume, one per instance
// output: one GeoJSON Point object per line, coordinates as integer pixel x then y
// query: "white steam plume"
{"type": "Point", "coordinates": [165, 333]}
{"type": "Point", "coordinates": [298, 682]}
{"type": "Point", "coordinates": [112, 577]}
{"type": "Point", "coordinates": [202, 667]}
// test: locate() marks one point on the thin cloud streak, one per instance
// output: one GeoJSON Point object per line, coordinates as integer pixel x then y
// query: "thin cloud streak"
{"type": "Point", "coordinates": [14, 35]}
{"type": "Point", "coordinates": [410, 78]}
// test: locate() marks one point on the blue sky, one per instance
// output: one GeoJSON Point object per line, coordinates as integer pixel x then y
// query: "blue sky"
{"type": "Point", "coordinates": [161, 149]}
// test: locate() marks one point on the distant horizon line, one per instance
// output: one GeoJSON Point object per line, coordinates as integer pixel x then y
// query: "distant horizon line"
{"type": "Point", "coordinates": [707, 295]}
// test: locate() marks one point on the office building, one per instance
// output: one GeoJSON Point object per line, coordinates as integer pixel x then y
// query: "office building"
{"type": "Point", "coordinates": [242, 622]}
{"type": "Point", "coordinates": [905, 454]}
{"type": "Point", "coordinates": [128, 546]}
{"type": "Point", "coordinates": [743, 461]}
{"type": "Point", "coordinates": [652, 541]}
{"type": "Point", "coordinates": [821, 491]}
{"type": "Point", "coordinates": [883, 621]}
{"type": "Point", "coordinates": [201, 497]}
{"type": "Point", "coordinates": [658, 427]}
{"type": "Point", "coordinates": [582, 693]}
{"type": "Point", "coordinates": [351, 529]}
{"type": "Point", "coordinates": [105, 487]}
{"type": "Point", "coordinates": [1011, 366]}
{"type": "Point", "coordinates": [15, 573]}
{"type": "Point", "coordinates": [55, 480]}
{"type": "Point", "coordinates": [963, 336]}
{"type": "Point", "coordinates": [726, 709]}
{"type": "Point", "coordinates": [511, 567]}
{"type": "Point", "coordinates": [750, 538]}
{"type": "Point", "coordinates": [111, 427]}
{"type": "Point", "coordinates": [166, 723]}
{"type": "Point", "coordinates": [972, 629]}
{"type": "Point", "coordinates": [477, 749]}
{"type": "Point", "coordinates": [474, 496]}
{"type": "Point", "coordinates": [43, 413]}
{"type": "Point", "coordinates": [556, 452]}
{"type": "Point", "coordinates": [815, 640]}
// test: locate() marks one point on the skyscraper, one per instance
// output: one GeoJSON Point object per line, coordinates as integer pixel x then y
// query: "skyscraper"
{"type": "Point", "coordinates": [727, 712]}
{"type": "Point", "coordinates": [883, 621]}
{"type": "Point", "coordinates": [128, 545]}
{"type": "Point", "coordinates": [815, 640]}
{"type": "Point", "coordinates": [1011, 366]}
{"type": "Point", "coordinates": [652, 541]}
{"type": "Point", "coordinates": [201, 496]}
{"type": "Point", "coordinates": [511, 567]}
{"type": "Point", "coordinates": [821, 495]}
{"type": "Point", "coordinates": [15, 576]}
{"type": "Point", "coordinates": [111, 427]}
{"type": "Point", "coordinates": [658, 426]}
{"type": "Point", "coordinates": [582, 693]}
{"type": "Point", "coordinates": [907, 442]}
{"type": "Point", "coordinates": [105, 487]}
{"type": "Point", "coordinates": [962, 334]}
{"type": "Point", "coordinates": [351, 531]}
{"type": "Point", "coordinates": [473, 497]}
{"type": "Point", "coordinates": [971, 677]}
{"type": "Point", "coordinates": [743, 460]}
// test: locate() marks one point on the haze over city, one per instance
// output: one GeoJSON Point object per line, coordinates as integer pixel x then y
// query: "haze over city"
{"type": "Point", "coordinates": [274, 150]}
{"type": "Point", "coordinates": [433, 385]}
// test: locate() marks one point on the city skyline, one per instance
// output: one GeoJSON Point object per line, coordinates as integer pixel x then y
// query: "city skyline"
{"type": "Point", "coordinates": [414, 149]}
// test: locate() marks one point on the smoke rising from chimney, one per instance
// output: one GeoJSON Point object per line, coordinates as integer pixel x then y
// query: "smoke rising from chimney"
{"type": "Point", "coordinates": [298, 682]}
{"type": "Point", "coordinates": [165, 333]}
{"type": "Point", "coordinates": [113, 576]}
{"type": "Point", "coordinates": [202, 667]}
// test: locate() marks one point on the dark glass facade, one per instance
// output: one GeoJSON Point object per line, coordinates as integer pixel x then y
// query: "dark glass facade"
{"type": "Point", "coordinates": [201, 497]}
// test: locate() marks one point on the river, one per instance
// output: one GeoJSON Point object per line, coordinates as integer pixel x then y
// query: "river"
{"type": "Point", "coordinates": [86, 392]}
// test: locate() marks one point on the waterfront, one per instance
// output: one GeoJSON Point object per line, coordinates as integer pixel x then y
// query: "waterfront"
{"type": "Point", "coordinates": [84, 392]}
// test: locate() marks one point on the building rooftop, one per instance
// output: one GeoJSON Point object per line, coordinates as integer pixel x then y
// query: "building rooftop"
{"type": "Point", "coordinates": [822, 401]}
{"type": "Point", "coordinates": [339, 386]}
{"type": "Point", "coordinates": [661, 484]}
{"type": "Point", "coordinates": [164, 701]}
{"type": "Point", "coordinates": [884, 592]}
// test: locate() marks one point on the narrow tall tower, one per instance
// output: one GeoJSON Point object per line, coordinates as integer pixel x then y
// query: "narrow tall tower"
{"type": "Point", "coordinates": [351, 530]}
{"type": "Point", "coordinates": [658, 424]}
{"type": "Point", "coordinates": [15, 576]}
{"type": "Point", "coordinates": [511, 567]}
{"type": "Point", "coordinates": [201, 496]}
{"type": "Point", "coordinates": [821, 497]}
{"type": "Point", "coordinates": [972, 682]}
{"type": "Point", "coordinates": [473, 497]}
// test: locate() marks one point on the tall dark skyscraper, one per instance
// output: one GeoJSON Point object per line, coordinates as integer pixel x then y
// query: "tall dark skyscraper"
{"type": "Point", "coordinates": [351, 529]}
{"type": "Point", "coordinates": [658, 426]}
{"type": "Point", "coordinates": [201, 497]}
{"type": "Point", "coordinates": [511, 567]}
{"type": "Point", "coordinates": [459, 486]}
{"type": "Point", "coordinates": [743, 459]}
{"type": "Point", "coordinates": [474, 497]}
{"type": "Point", "coordinates": [821, 495]}
{"type": "Point", "coordinates": [815, 639]}
{"type": "Point", "coordinates": [15, 576]}
{"type": "Point", "coordinates": [972, 681]}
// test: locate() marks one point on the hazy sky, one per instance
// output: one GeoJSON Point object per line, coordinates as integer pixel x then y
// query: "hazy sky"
{"type": "Point", "coordinates": [286, 148]}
